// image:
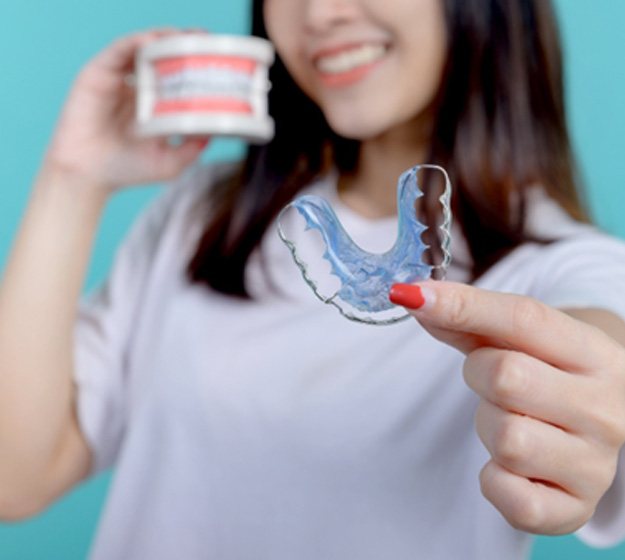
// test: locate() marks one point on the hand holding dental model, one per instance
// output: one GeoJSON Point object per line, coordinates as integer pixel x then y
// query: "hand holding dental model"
{"type": "Point", "coordinates": [96, 141]}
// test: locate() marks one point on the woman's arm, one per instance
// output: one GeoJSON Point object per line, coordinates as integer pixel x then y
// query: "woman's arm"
{"type": "Point", "coordinates": [94, 152]}
{"type": "Point", "coordinates": [42, 450]}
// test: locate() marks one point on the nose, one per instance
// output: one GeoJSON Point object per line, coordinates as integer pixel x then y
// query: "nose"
{"type": "Point", "coordinates": [322, 15]}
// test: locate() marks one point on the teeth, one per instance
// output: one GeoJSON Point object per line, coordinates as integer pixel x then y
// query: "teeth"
{"type": "Point", "coordinates": [348, 60]}
{"type": "Point", "coordinates": [204, 81]}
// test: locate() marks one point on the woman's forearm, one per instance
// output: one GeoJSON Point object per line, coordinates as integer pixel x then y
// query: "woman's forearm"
{"type": "Point", "coordinates": [39, 292]}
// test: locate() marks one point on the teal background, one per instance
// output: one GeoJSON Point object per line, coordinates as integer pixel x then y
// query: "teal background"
{"type": "Point", "coordinates": [42, 46]}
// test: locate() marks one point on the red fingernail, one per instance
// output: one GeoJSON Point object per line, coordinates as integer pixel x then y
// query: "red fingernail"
{"type": "Point", "coordinates": [408, 295]}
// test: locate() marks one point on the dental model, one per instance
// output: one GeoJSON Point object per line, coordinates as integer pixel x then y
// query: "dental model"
{"type": "Point", "coordinates": [366, 278]}
{"type": "Point", "coordinates": [200, 84]}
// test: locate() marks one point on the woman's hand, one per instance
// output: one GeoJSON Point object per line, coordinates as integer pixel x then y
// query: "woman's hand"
{"type": "Point", "coordinates": [552, 399]}
{"type": "Point", "coordinates": [94, 140]}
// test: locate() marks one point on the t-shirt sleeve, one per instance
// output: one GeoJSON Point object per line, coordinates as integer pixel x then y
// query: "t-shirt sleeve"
{"type": "Point", "coordinates": [106, 318]}
{"type": "Point", "coordinates": [589, 272]}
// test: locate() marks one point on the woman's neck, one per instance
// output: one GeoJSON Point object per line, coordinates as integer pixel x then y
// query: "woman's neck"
{"type": "Point", "coordinates": [371, 189]}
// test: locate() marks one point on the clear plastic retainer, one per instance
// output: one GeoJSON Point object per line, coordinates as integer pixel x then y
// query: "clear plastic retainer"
{"type": "Point", "coordinates": [366, 278]}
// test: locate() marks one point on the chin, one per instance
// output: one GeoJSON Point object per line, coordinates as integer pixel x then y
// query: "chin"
{"type": "Point", "coordinates": [356, 128]}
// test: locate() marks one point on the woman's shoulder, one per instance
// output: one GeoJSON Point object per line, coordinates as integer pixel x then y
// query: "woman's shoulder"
{"type": "Point", "coordinates": [565, 236]}
{"type": "Point", "coordinates": [584, 245]}
{"type": "Point", "coordinates": [571, 263]}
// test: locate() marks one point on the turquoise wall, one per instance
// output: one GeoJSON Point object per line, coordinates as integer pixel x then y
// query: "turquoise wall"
{"type": "Point", "coordinates": [43, 43]}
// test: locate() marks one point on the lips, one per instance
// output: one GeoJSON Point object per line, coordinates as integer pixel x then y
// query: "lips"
{"type": "Point", "coordinates": [348, 59]}
{"type": "Point", "coordinates": [347, 64]}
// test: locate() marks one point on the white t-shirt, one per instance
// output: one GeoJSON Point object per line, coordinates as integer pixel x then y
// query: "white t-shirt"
{"type": "Point", "coordinates": [276, 429]}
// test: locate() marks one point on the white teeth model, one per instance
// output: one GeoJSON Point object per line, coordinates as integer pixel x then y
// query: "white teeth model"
{"type": "Point", "coordinates": [353, 58]}
{"type": "Point", "coordinates": [210, 81]}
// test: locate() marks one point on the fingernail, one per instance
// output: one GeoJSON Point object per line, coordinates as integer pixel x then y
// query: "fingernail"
{"type": "Point", "coordinates": [407, 295]}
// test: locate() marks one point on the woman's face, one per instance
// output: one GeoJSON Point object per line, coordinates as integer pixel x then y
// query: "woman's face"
{"type": "Point", "coordinates": [371, 65]}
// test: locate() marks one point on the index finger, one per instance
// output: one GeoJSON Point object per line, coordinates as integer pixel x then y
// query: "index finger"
{"type": "Point", "coordinates": [120, 53]}
{"type": "Point", "coordinates": [467, 318]}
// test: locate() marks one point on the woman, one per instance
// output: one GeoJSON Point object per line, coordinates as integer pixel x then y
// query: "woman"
{"type": "Point", "coordinates": [244, 419]}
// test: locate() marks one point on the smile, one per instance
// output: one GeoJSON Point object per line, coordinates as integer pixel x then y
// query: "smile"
{"type": "Point", "coordinates": [350, 59]}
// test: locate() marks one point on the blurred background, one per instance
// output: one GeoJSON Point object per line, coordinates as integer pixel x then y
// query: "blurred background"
{"type": "Point", "coordinates": [42, 46]}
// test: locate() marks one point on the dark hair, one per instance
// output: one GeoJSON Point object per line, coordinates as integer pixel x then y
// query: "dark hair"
{"type": "Point", "coordinates": [499, 129]}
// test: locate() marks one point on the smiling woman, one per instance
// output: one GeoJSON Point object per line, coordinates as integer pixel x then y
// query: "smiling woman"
{"type": "Point", "coordinates": [457, 91]}
{"type": "Point", "coordinates": [369, 66]}
{"type": "Point", "coordinates": [242, 427]}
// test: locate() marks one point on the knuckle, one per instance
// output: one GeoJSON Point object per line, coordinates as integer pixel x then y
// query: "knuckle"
{"type": "Point", "coordinates": [486, 486]}
{"type": "Point", "coordinates": [609, 357]}
{"type": "Point", "coordinates": [618, 366]}
{"type": "Point", "coordinates": [481, 419]}
{"type": "Point", "coordinates": [512, 443]}
{"type": "Point", "coordinates": [509, 377]}
{"type": "Point", "coordinates": [609, 423]}
{"type": "Point", "coordinates": [578, 516]}
{"type": "Point", "coordinates": [458, 309]}
{"type": "Point", "coordinates": [619, 361]}
{"type": "Point", "coordinates": [474, 365]}
{"type": "Point", "coordinates": [524, 512]}
{"type": "Point", "coordinates": [597, 468]}
{"type": "Point", "coordinates": [619, 430]}
{"type": "Point", "coordinates": [605, 475]}
{"type": "Point", "coordinates": [527, 313]}
{"type": "Point", "coordinates": [584, 516]}
{"type": "Point", "coordinates": [528, 513]}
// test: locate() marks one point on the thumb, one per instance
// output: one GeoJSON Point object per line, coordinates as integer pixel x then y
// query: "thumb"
{"type": "Point", "coordinates": [181, 155]}
{"type": "Point", "coordinates": [467, 318]}
{"type": "Point", "coordinates": [457, 314]}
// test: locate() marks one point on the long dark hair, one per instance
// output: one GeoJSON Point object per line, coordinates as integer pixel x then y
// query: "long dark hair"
{"type": "Point", "coordinates": [499, 129]}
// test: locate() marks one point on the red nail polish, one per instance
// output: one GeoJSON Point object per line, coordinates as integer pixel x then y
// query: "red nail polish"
{"type": "Point", "coordinates": [408, 295]}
